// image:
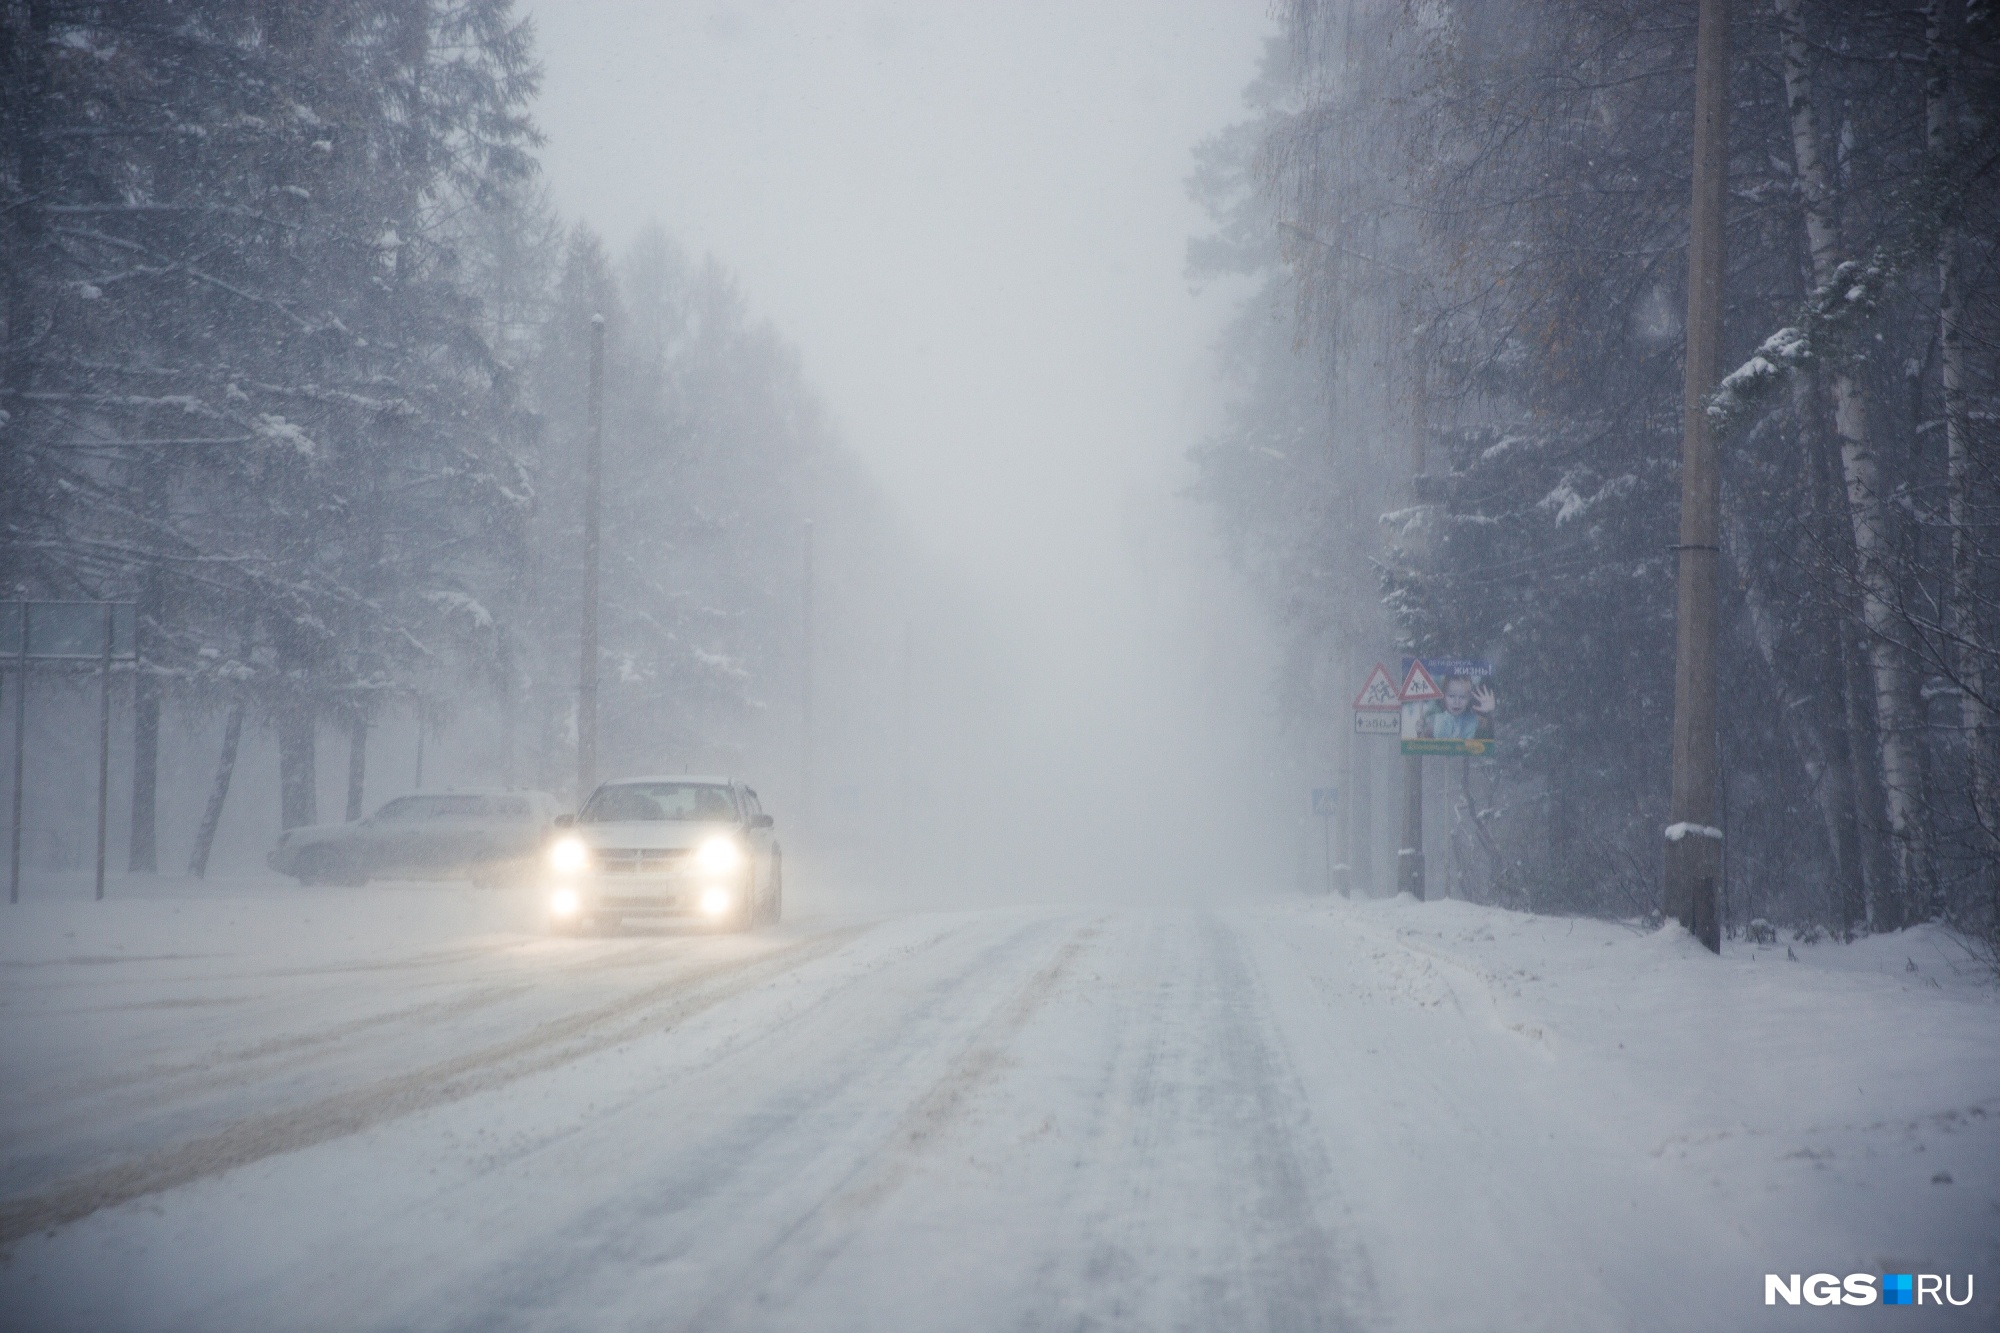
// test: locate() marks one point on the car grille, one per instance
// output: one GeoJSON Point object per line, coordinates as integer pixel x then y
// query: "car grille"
{"type": "Point", "coordinates": [640, 860]}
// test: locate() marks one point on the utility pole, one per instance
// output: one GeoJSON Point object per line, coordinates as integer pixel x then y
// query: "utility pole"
{"type": "Point", "coordinates": [142, 854]}
{"type": "Point", "coordinates": [903, 784]}
{"type": "Point", "coordinates": [1410, 856]}
{"type": "Point", "coordinates": [1694, 841]}
{"type": "Point", "coordinates": [357, 763]}
{"type": "Point", "coordinates": [593, 499]}
{"type": "Point", "coordinates": [806, 682]}
{"type": "Point", "coordinates": [20, 757]}
{"type": "Point", "coordinates": [104, 750]}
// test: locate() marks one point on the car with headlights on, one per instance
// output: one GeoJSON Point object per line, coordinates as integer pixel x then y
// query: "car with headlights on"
{"type": "Point", "coordinates": [488, 836]}
{"type": "Point", "coordinates": [694, 848]}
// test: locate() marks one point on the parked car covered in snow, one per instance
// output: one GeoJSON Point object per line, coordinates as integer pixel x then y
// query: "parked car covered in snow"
{"type": "Point", "coordinates": [693, 847]}
{"type": "Point", "coordinates": [484, 835]}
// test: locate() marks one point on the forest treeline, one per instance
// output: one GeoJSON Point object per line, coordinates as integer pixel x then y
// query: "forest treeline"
{"type": "Point", "coordinates": [296, 355]}
{"type": "Point", "coordinates": [1469, 222]}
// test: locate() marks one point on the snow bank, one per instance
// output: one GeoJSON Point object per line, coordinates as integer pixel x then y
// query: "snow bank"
{"type": "Point", "coordinates": [1782, 1108]}
{"type": "Point", "coordinates": [266, 917]}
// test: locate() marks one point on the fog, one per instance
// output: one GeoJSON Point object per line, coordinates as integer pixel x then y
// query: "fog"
{"type": "Point", "coordinates": [973, 222]}
{"type": "Point", "coordinates": [620, 613]}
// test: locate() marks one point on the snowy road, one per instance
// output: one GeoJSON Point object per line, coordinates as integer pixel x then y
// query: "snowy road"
{"type": "Point", "coordinates": [1290, 1118]}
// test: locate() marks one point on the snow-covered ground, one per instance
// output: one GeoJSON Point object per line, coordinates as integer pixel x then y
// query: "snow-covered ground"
{"type": "Point", "coordinates": [247, 1107]}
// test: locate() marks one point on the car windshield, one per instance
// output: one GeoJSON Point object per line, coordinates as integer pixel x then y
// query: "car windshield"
{"type": "Point", "coordinates": [649, 801]}
{"type": "Point", "coordinates": [409, 809]}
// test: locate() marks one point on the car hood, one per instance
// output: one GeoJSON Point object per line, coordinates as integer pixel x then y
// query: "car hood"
{"type": "Point", "coordinates": [665, 833]}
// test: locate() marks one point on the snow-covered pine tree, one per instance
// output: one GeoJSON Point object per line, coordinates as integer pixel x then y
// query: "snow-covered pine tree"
{"type": "Point", "coordinates": [1504, 185]}
{"type": "Point", "coordinates": [244, 378]}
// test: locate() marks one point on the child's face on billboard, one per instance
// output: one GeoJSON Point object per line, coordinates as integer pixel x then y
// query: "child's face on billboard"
{"type": "Point", "coordinates": [1457, 695]}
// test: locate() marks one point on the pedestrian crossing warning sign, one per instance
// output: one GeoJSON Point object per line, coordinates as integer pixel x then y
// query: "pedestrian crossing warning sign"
{"type": "Point", "coordinates": [1418, 687]}
{"type": "Point", "coordinates": [1380, 692]}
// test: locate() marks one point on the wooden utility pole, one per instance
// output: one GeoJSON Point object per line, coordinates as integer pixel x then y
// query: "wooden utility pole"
{"type": "Point", "coordinates": [357, 763]}
{"type": "Point", "coordinates": [104, 750]}
{"type": "Point", "coordinates": [593, 500]}
{"type": "Point", "coordinates": [1694, 840]}
{"type": "Point", "coordinates": [1410, 855]}
{"type": "Point", "coordinates": [142, 850]}
{"type": "Point", "coordinates": [20, 758]}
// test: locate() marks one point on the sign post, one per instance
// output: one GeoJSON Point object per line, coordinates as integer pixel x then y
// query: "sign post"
{"type": "Point", "coordinates": [1445, 705]}
{"type": "Point", "coordinates": [1412, 877]}
{"type": "Point", "coordinates": [1326, 801]}
{"type": "Point", "coordinates": [1378, 712]}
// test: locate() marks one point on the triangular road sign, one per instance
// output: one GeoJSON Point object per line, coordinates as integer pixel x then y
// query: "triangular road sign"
{"type": "Point", "coordinates": [1418, 685]}
{"type": "Point", "coordinates": [1379, 692]}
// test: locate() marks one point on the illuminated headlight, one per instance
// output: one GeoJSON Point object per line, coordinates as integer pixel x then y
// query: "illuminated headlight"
{"type": "Point", "coordinates": [564, 902]}
{"type": "Point", "coordinates": [715, 900]}
{"type": "Point", "coordinates": [719, 855]}
{"type": "Point", "coordinates": [567, 856]}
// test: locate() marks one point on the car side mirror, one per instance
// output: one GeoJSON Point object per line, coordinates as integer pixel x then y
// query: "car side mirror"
{"type": "Point", "coordinates": [565, 821]}
{"type": "Point", "coordinates": [761, 821]}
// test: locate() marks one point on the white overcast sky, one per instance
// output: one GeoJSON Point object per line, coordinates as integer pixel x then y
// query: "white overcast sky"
{"type": "Point", "coordinates": [972, 220]}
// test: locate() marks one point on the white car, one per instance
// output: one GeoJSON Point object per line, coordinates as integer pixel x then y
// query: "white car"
{"type": "Point", "coordinates": [490, 836]}
{"type": "Point", "coordinates": [679, 846]}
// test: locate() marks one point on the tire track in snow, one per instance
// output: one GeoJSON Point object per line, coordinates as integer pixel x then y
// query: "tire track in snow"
{"type": "Point", "coordinates": [546, 1046]}
{"type": "Point", "coordinates": [215, 1069]}
{"type": "Point", "coordinates": [177, 1095]}
{"type": "Point", "coordinates": [1210, 1197]}
{"type": "Point", "coordinates": [1308, 1272]}
{"type": "Point", "coordinates": [948, 1098]}
{"type": "Point", "coordinates": [798, 1108]}
{"type": "Point", "coordinates": [1200, 1192]}
{"type": "Point", "coordinates": [817, 1239]}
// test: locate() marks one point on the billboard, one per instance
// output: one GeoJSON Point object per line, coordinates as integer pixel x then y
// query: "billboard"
{"type": "Point", "coordinates": [1448, 706]}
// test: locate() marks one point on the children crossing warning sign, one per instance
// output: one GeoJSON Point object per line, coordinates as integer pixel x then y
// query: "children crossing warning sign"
{"type": "Point", "coordinates": [1380, 692]}
{"type": "Point", "coordinates": [1378, 707]}
{"type": "Point", "coordinates": [1418, 687]}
